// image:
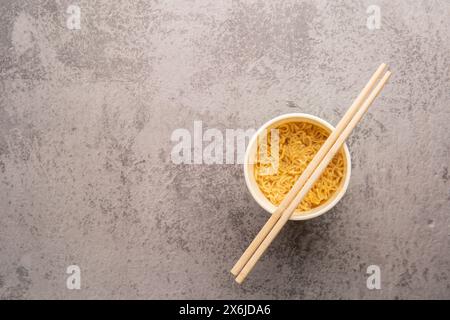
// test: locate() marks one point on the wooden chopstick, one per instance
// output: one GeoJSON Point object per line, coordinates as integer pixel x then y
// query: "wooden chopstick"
{"type": "Point", "coordinates": [308, 171]}
{"type": "Point", "coordinates": [286, 214]}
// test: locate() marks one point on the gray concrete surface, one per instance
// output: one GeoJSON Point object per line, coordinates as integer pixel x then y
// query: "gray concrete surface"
{"type": "Point", "coordinates": [86, 118]}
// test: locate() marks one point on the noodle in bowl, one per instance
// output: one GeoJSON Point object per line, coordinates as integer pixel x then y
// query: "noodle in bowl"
{"type": "Point", "coordinates": [300, 137]}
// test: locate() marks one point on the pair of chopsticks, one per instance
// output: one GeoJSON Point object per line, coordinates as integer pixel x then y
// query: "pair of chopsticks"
{"type": "Point", "coordinates": [310, 175]}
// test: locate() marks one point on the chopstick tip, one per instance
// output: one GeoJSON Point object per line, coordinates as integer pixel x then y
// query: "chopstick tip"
{"type": "Point", "coordinates": [382, 67]}
{"type": "Point", "coordinates": [239, 279]}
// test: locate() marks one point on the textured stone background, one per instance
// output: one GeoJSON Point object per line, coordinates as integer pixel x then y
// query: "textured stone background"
{"type": "Point", "coordinates": [85, 123]}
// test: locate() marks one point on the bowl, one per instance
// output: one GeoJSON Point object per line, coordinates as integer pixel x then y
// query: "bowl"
{"type": "Point", "coordinates": [250, 157]}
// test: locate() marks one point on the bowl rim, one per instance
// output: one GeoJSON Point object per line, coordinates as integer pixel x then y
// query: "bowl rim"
{"type": "Point", "coordinates": [267, 206]}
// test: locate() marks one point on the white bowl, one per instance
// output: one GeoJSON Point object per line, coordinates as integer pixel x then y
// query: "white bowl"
{"type": "Point", "coordinates": [250, 156]}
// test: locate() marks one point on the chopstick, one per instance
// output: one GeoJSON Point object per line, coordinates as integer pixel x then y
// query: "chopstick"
{"type": "Point", "coordinates": [308, 171]}
{"type": "Point", "coordinates": [309, 176]}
